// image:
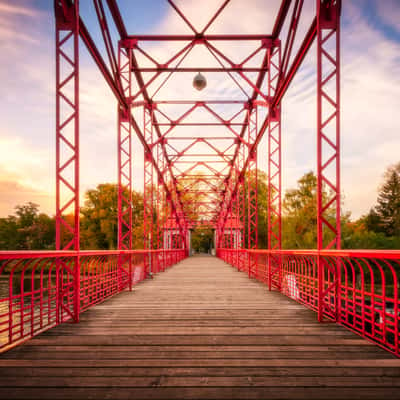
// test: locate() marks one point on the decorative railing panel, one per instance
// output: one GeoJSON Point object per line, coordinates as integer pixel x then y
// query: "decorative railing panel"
{"type": "Point", "coordinates": [38, 290]}
{"type": "Point", "coordinates": [359, 289]}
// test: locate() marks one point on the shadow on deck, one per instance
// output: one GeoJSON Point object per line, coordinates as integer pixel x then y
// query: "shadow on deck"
{"type": "Point", "coordinates": [199, 330]}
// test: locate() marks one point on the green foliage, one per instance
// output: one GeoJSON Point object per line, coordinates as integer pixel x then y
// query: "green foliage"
{"type": "Point", "coordinates": [262, 208]}
{"type": "Point", "coordinates": [202, 240]}
{"type": "Point", "coordinates": [99, 218]}
{"type": "Point", "coordinates": [99, 223]}
{"type": "Point", "coordinates": [385, 217]}
{"type": "Point", "coordinates": [381, 227]}
{"type": "Point", "coordinates": [28, 229]}
{"type": "Point", "coordinates": [300, 214]}
{"type": "Point", "coordinates": [299, 222]}
{"type": "Point", "coordinates": [356, 235]}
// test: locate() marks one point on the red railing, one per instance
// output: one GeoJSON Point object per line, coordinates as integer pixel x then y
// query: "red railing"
{"type": "Point", "coordinates": [356, 288]}
{"type": "Point", "coordinates": [39, 290]}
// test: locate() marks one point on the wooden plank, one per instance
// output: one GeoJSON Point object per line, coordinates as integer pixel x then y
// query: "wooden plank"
{"type": "Point", "coordinates": [200, 371]}
{"type": "Point", "coordinates": [217, 393]}
{"type": "Point", "coordinates": [202, 381]}
{"type": "Point", "coordinates": [220, 348]}
{"type": "Point", "coordinates": [126, 339]}
{"type": "Point", "coordinates": [194, 355]}
{"type": "Point", "coordinates": [68, 363]}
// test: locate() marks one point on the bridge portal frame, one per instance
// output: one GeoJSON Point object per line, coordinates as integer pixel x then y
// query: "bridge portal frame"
{"type": "Point", "coordinates": [280, 67]}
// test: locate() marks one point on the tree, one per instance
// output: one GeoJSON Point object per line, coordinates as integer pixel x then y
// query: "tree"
{"type": "Point", "coordinates": [99, 217]}
{"type": "Point", "coordinates": [299, 222]}
{"type": "Point", "coordinates": [386, 216]}
{"type": "Point", "coordinates": [99, 223]}
{"type": "Point", "coordinates": [262, 206]}
{"type": "Point", "coordinates": [28, 229]}
{"type": "Point", "coordinates": [9, 233]}
{"type": "Point", "coordinates": [202, 239]}
{"type": "Point", "coordinates": [357, 235]}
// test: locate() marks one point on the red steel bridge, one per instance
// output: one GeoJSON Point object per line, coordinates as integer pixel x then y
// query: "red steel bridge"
{"type": "Point", "coordinates": [189, 167]}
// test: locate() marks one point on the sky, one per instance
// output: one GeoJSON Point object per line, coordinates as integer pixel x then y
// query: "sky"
{"type": "Point", "coordinates": [370, 90]}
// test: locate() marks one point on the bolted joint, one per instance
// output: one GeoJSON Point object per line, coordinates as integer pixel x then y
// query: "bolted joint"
{"type": "Point", "coordinates": [329, 15]}
{"type": "Point", "coordinates": [124, 115]}
{"type": "Point", "coordinates": [128, 43]}
{"type": "Point", "coordinates": [276, 43]}
{"type": "Point", "coordinates": [254, 104]}
{"type": "Point", "coordinates": [65, 15]}
{"type": "Point", "coordinates": [275, 114]}
{"type": "Point", "coordinates": [199, 39]}
{"type": "Point", "coordinates": [149, 105]}
{"type": "Point", "coordinates": [267, 43]}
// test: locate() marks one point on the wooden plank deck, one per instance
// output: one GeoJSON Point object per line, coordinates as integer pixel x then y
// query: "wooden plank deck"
{"type": "Point", "coordinates": [201, 330]}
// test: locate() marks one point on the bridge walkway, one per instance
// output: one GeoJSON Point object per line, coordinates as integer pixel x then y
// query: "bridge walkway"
{"type": "Point", "coordinates": [200, 330]}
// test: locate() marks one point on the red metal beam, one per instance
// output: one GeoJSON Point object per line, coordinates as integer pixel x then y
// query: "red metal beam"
{"type": "Point", "coordinates": [199, 69]}
{"type": "Point", "coordinates": [198, 37]}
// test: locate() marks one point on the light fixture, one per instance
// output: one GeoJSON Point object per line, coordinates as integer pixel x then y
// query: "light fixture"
{"type": "Point", "coordinates": [199, 81]}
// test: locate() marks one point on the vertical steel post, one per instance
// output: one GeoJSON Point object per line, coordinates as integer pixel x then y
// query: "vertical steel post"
{"type": "Point", "coordinates": [328, 150]}
{"type": "Point", "coordinates": [252, 189]}
{"type": "Point", "coordinates": [241, 204]}
{"type": "Point", "coordinates": [274, 172]}
{"type": "Point", "coordinates": [67, 152]}
{"type": "Point", "coordinates": [148, 194]}
{"type": "Point", "coordinates": [160, 210]}
{"type": "Point", "coordinates": [125, 167]}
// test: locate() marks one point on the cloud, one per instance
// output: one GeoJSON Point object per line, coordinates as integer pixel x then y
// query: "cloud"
{"type": "Point", "coordinates": [12, 9]}
{"type": "Point", "coordinates": [11, 18]}
{"type": "Point", "coordinates": [21, 167]}
{"type": "Point", "coordinates": [12, 193]}
{"type": "Point", "coordinates": [389, 12]}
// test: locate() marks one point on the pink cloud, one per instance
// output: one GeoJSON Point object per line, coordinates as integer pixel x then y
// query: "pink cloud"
{"type": "Point", "coordinates": [13, 193]}
{"type": "Point", "coordinates": [17, 10]}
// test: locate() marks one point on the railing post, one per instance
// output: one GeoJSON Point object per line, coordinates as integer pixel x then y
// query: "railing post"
{"type": "Point", "coordinates": [320, 273]}
{"type": "Point", "coordinates": [130, 272]}
{"type": "Point", "coordinates": [269, 272]}
{"type": "Point", "coordinates": [77, 288]}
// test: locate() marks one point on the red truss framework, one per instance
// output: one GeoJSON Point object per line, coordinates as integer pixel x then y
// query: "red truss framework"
{"type": "Point", "coordinates": [213, 173]}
